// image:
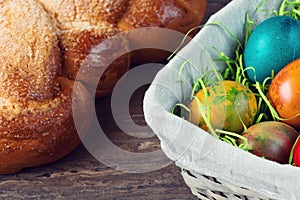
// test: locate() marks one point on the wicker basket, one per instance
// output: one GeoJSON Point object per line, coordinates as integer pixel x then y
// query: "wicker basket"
{"type": "Point", "coordinates": [211, 168]}
{"type": "Point", "coordinates": [206, 187]}
{"type": "Point", "coordinates": [202, 186]}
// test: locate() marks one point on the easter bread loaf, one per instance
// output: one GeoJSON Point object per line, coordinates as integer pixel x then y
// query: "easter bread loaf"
{"type": "Point", "coordinates": [43, 45]}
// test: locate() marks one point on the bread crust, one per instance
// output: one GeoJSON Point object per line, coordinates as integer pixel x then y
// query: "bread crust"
{"type": "Point", "coordinates": [36, 121]}
{"type": "Point", "coordinates": [101, 19]}
{"type": "Point", "coordinates": [178, 15]}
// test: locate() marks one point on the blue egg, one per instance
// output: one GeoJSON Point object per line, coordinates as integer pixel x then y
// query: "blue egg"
{"type": "Point", "coordinates": [272, 45]}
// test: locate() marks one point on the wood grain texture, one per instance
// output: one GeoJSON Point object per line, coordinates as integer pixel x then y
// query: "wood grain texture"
{"type": "Point", "coordinates": [80, 176]}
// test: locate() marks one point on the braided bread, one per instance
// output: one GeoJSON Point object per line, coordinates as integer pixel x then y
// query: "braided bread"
{"type": "Point", "coordinates": [84, 24]}
{"type": "Point", "coordinates": [43, 44]}
{"type": "Point", "coordinates": [36, 122]}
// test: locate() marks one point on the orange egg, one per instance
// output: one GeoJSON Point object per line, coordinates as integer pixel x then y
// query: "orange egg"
{"type": "Point", "coordinates": [284, 93]}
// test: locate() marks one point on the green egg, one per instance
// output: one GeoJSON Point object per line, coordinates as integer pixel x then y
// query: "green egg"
{"type": "Point", "coordinates": [272, 45]}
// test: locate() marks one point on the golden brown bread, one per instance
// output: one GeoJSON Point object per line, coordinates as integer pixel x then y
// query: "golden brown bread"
{"type": "Point", "coordinates": [43, 46]}
{"type": "Point", "coordinates": [77, 46]}
{"type": "Point", "coordinates": [84, 24]}
{"type": "Point", "coordinates": [36, 121]}
{"type": "Point", "coordinates": [178, 15]}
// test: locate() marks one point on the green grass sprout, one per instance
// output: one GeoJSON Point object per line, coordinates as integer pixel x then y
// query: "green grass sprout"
{"type": "Point", "coordinates": [258, 8]}
{"type": "Point", "coordinates": [204, 89]}
{"type": "Point", "coordinates": [227, 30]}
{"type": "Point", "coordinates": [292, 151]}
{"type": "Point", "coordinates": [290, 8]}
{"type": "Point", "coordinates": [249, 27]}
{"type": "Point", "coordinates": [183, 41]}
{"type": "Point", "coordinates": [202, 110]}
{"type": "Point", "coordinates": [181, 106]}
{"type": "Point", "coordinates": [231, 136]}
{"type": "Point", "coordinates": [180, 71]}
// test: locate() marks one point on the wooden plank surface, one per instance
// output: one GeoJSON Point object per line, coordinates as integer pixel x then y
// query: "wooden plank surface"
{"type": "Point", "coordinates": [81, 176]}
